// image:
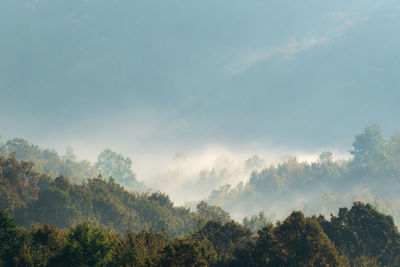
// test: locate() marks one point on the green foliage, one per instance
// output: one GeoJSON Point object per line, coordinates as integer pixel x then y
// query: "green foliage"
{"type": "Point", "coordinates": [18, 183]}
{"type": "Point", "coordinates": [225, 237]}
{"type": "Point", "coordinates": [37, 199]}
{"type": "Point", "coordinates": [298, 241]}
{"type": "Point", "coordinates": [364, 232]}
{"type": "Point", "coordinates": [210, 212]}
{"type": "Point", "coordinates": [13, 243]}
{"type": "Point", "coordinates": [48, 161]}
{"type": "Point", "coordinates": [361, 237]}
{"type": "Point", "coordinates": [142, 249]}
{"type": "Point", "coordinates": [369, 151]}
{"type": "Point", "coordinates": [86, 246]}
{"type": "Point", "coordinates": [256, 222]}
{"type": "Point", "coordinates": [112, 164]}
{"type": "Point", "coordinates": [187, 252]}
{"type": "Point", "coordinates": [109, 163]}
{"type": "Point", "coordinates": [47, 242]}
{"type": "Point", "coordinates": [371, 175]}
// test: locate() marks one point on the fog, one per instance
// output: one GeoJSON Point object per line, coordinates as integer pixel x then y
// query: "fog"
{"type": "Point", "coordinates": [301, 76]}
{"type": "Point", "coordinates": [191, 175]}
{"type": "Point", "coordinates": [190, 91]}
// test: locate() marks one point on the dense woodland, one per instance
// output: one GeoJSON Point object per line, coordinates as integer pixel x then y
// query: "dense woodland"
{"type": "Point", "coordinates": [98, 223]}
{"type": "Point", "coordinates": [34, 198]}
{"type": "Point", "coordinates": [48, 161]}
{"type": "Point", "coordinates": [206, 133]}
{"type": "Point", "coordinates": [371, 175]}
{"type": "Point", "coordinates": [360, 236]}
{"type": "Point", "coordinates": [48, 219]}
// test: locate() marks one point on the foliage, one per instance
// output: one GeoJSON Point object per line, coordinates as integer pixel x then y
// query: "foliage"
{"type": "Point", "coordinates": [369, 151]}
{"type": "Point", "coordinates": [33, 198]}
{"type": "Point", "coordinates": [256, 222]}
{"type": "Point", "coordinates": [48, 161]}
{"type": "Point", "coordinates": [102, 224]}
{"type": "Point", "coordinates": [254, 163]}
{"type": "Point", "coordinates": [225, 237]}
{"type": "Point", "coordinates": [298, 241]}
{"type": "Point", "coordinates": [18, 183]}
{"type": "Point", "coordinates": [86, 246]}
{"type": "Point", "coordinates": [364, 232]}
{"type": "Point", "coordinates": [372, 175]}
{"type": "Point", "coordinates": [142, 249]}
{"type": "Point", "coordinates": [46, 243]}
{"type": "Point", "coordinates": [210, 212]}
{"type": "Point", "coordinates": [112, 164]}
{"type": "Point", "coordinates": [360, 236]}
{"type": "Point", "coordinates": [187, 252]}
{"type": "Point", "coordinates": [13, 248]}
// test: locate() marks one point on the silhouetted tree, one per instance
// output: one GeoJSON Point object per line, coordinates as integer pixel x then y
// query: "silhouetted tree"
{"type": "Point", "coordinates": [297, 241]}
{"type": "Point", "coordinates": [364, 232]}
{"type": "Point", "coordinates": [188, 253]}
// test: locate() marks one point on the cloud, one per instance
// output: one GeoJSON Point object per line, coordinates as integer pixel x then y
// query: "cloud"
{"type": "Point", "coordinates": [335, 15]}
{"type": "Point", "coordinates": [341, 29]}
{"type": "Point", "coordinates": [249, 61]}
{"type": "Point", "coordinates": [293, 46]}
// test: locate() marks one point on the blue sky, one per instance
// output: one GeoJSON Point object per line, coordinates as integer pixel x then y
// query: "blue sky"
{"type": "Point", "coordinates": [168, 75]}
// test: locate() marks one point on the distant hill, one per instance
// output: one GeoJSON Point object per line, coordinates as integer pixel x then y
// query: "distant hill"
{"type": "Point", "coordinates": [371, 175]}
{"type": "Point", "coordinates": [35, 198]}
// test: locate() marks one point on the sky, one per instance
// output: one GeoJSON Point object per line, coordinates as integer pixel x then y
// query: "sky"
{"type": "Point", "coordinates": [150, 78]}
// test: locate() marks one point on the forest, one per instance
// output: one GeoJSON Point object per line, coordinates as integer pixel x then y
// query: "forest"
{"type": "Point", "coordinates": [360, 236]}
{"type": "Point", "coordinates": [58, 211]}
{"type": "Point", "coordinates": [199, 133]}
{"type": "Point", "coordinates": [371, 174]}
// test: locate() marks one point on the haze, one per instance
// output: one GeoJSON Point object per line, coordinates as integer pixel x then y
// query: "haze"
{"type": "Point", "coordinates": [228, 78]}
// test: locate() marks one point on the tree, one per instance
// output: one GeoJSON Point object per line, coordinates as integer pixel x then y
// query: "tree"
{"type": "Point", "coordinates": [86, 246]}
{"type": "Point", "coordinates": [254, 163]}
{"type": "Point", "coordinates": [69, 154]}
{"type": "Point", "coordinates": [112, 164]}
{"type": "Point", "coordinates": [369, 150]}
{"type": "Point", "coordinates": [18, 183]}
{"type": "Point", "coordinates": [3, 147]}
{"type": "Point", "coordinates": [46, 243]}
{"type": "Point", "coordinates": [52, 207]}
{"type": "Point", "coordinates": [325, 157]}
{"type": "Point", "coordinates": [364, 232]}
{"type": "Point", "coordinates": [212, 212]}
{"type": "Point", "coordinates": [225, 237]}
{"type": "Point", "coordinates": [14, 250]}
{"type": "Point", "coordinates": [142, 249]}
{"type": "Point", "coordinates": [22, 148]}
{"type": "Point", "coordinates": [48, 161]}
{"type": "Point", "coordinates": [256, 222]}
{"type": "Point", "coordinates": [162, 199]}
{"type": "Point", "coordinates": [298, 241]}
{"type": "Point", "coordinates": [187, 252]}
{"type": "Point", "coordinates": [394, 152]}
